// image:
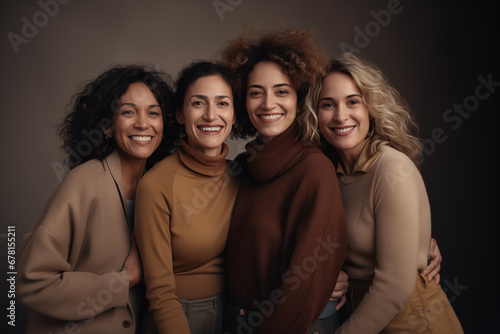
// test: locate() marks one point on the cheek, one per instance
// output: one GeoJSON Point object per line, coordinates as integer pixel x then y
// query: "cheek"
{"type": "Point", "coordinates": [159, 127]}
{"type": "Point", "coordinates": [188, 118]}
{"type": "Point", "coordinates": [323, 119]}
{"type": "Point", "coordinates": [118, 129]}
{"type": "Point", "coordinates": [250, 107]}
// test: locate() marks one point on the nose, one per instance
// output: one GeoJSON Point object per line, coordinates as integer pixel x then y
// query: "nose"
{"type": "Point", "coordinates": [268, 102]}
{"type": "Point", "coordinates": [142, 121]}
{"type": "Point", "coordinates": [210, 114]}
{"type": "Point", "coordinates": [341, 115]}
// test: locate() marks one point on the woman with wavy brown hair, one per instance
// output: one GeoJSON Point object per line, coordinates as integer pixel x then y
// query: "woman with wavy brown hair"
{"type": "Point", "coordinates": [371, 138]}
{"type": "Point", "coordinates": [287, 238]}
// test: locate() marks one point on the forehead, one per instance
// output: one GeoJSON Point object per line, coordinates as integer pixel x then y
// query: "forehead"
{"type": "Point", "coordinates": [341, 83]}
{"type": "Point", "coordinates": [267, 72]}
{"type": "Point", "coordinates": [209, 85]}
{"type": "Point", "coordinates": [138, 91]}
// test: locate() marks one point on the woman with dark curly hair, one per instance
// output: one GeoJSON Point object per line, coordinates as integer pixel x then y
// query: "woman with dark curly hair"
{"type": "Point", "coordinates": [370, 135]}
{"type": "Point", "coordinates": [288, 236]}
{"type": "Point", "coordinates": [78, 266]}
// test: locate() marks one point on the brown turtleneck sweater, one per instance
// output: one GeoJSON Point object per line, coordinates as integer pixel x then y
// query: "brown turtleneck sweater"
{"type": "Point", "coordinates": [288, 236]}
{"type": "Point", "coordinates": [182, 215]}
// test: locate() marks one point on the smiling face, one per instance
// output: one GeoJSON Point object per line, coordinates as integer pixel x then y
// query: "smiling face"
{"type": "Point", "coordinates": [343, 118]}
{"type": "Point", "coordinates": [271, 99]}
{"type": "Point", "coordinates": [208, 114]}
{"type": "Point", "coordinates": [137, 123]}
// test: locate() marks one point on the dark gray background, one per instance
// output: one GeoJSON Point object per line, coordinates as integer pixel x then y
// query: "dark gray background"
{"type": "Point", "coordinates": [436, 54]}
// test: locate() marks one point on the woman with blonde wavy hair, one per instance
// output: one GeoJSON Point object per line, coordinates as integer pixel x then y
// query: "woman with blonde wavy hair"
{"type": "Point", "coordinates": [287, 238]}
{"type": "Point", "coordinates": [371, 138]}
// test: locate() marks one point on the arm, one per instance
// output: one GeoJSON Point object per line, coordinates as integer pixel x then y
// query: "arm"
{"type": "Point", "coordinates": [401, 213]}
{"type": "Point", "coordinates": [152, 231]}
{"type": "Point", "coordinates": [317, 214]}
{"type": "Point", "coordinates": [47, 282]}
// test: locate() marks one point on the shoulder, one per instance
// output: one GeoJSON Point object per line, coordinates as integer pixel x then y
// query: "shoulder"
{"type": "Point", "coordinates": [161, 172]}
{"type": "Point", "coordinates": [315, 163]}
{"type": "Point", "coordinates": [394, 170]}
{"type": "Point", "coordinates": [393, 160]}
{"type": "Point", "coordinates": [78, 178]}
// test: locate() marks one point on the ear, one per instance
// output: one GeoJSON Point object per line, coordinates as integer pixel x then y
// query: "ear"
{"type": "Point", "coordinates": [108, 132]}
{"type": "Point", "coordinates": [179, 116]}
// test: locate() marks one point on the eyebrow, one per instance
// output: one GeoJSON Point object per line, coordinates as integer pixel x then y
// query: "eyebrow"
{"type": "Point", "coordinates": [275, 86]}
{"type": "Point", "coordinates": [199, 96]}
{"type": "Point", "coordinates": [135, 105]}
{"type": "Point", "coordinates": [332, 99]}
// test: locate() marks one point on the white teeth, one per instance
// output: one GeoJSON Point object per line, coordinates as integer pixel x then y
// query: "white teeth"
{"type": "Point", "coordinates": [141, 138]}
{"type": "Point", "coordinates": [344, 129]}
{"type": "Point", "coordinates": [210, 128]}
{"type": "Point", "coordinates": [270, 116]}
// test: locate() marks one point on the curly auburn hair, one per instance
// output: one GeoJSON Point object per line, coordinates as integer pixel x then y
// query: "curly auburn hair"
{"type": "Point", "coordinates": [82, 130]}
{"type": "Point", "coordinates": [391, 121]}
{"type": "Point", "coordinates": [300, 58]}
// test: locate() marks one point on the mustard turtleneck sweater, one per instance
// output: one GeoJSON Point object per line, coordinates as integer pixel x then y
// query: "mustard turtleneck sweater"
{"type": "Point", "coordinates": [182, 215]}
{"type": "Point", "coordinates": [288, 235]}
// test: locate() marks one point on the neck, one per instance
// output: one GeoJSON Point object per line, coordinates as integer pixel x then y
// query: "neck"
{"type": "Point", "coordinates": [348, 160]}
{"type": "Point", "coordinates": [132, 171]}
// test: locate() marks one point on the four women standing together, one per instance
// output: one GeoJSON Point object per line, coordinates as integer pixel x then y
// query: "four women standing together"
{"type": "Point", "coordinates": [256, 245]}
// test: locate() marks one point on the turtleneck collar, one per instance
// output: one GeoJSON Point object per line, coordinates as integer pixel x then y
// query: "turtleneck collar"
{"type": "Point", "coordinates": [276, 157]}
{"type": "Point", "coordinates": [364, 162]}
{"type": "Point", "coordinates": [201, 163]}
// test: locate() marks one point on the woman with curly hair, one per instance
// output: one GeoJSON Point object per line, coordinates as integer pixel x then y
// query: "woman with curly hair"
{"type": "Point", "coordinates": [287, 239]}
{"type": "Point", "coordinates": [371, 138]}
{"type": "Point", "coordinates": [78, 266]}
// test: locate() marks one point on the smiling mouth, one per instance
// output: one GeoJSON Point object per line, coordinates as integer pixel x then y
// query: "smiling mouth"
{"type": "Point", "coordinates": [210, 128]}
{"type": "Point", "coordinates": [343, 130]}
{"type": "Point", "coordinates": [270, 117]}
{"type": "Point", "coordinates": [142, 138]}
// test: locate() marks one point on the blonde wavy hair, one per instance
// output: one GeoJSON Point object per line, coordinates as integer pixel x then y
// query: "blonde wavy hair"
{"type": "Point", "coordinates": [391, 121]}
{"type": "Point", "coordinates": [300, 58]}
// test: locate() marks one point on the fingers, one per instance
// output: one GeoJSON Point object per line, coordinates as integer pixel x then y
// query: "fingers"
{"type": "Point", "coordinates": [336, 295]}
{"type": "Point", "coordinates": [437, 279]}
{"type": "Point", "coordinates": [341, 303]}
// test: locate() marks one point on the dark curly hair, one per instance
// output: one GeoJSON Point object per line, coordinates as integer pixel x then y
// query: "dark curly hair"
{"type": "Point", "coordinates": [301, 59]}
{"type": "Point", "coordinates": [92, 109]}
{"type": "Point", "coordinates": [190, 74]}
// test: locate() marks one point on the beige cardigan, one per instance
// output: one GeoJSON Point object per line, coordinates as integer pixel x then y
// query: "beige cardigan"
{"type": "Point", "coordinates": [70, 263]}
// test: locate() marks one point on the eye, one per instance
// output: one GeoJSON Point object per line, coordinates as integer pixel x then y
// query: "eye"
{"type": "Point", "coordinates": [155, 113]}
{"type": "Point", "coordinates": [282, 92]}
{"type": "Point", "coordinates": [353, 102]}
{"type": "Point", "coordinates": [126, 112]}
{"type": "Point", "coordinates": [224, 103]}
{"type": "Point", "coordinates": [197, 103]}
{"type": "Point", "coordinates": [327, 105]}
{"type": "Point", "coordinates": [255, 93]}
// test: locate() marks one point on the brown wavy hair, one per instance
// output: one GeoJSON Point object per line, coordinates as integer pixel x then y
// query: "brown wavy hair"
{"type": "Point", "coordinates": [300, 58]}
